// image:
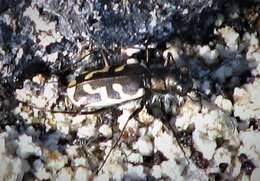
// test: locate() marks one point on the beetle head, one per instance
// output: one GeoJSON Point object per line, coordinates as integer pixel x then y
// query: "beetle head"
{"type": "Point", "coordinates": [179, 80]}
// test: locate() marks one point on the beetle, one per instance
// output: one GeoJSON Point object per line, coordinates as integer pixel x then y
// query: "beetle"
{"type": "Point", "coordinates": [97, 90]}
{"type": "Point", "coordinates": [112, 86]}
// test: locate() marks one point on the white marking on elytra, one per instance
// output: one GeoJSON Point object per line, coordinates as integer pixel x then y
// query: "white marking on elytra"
{"type": "Point", "coordinates": [106, 100]}
{"type": "Point", "coordinates": [71, 93]}
{"type": "Point", "coordinates": [90, 74]}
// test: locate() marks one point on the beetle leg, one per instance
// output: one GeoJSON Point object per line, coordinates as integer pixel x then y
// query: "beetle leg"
{"type": "Point", "coordinates": [121, 134]}
{"type": "Point", "coordinates": [169, 60]}
{"type": "Point", "coordinates": [167, 123]}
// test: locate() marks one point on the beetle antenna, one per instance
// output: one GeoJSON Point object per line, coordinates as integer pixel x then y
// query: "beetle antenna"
{"type": "Point", "coordinates": [79, 59]}
{"type": "Point", "coordinates": [63, 111]}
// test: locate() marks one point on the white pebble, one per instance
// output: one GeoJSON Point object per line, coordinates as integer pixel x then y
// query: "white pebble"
{"type": "Point", "coordinates": [55, 160]}
{"type": "Point", "coordinates": [214, 123]}
{"type": "Point", "coordinates": [145, 146]}
{"type": "Point", "coordinates": [173, 170]}
{"type": "Point", "coordinates": [105, 130]}
{"type": "Point", "coordinates": [86, 131]}
{"type": "Point", "coordinates": [81, 161]}
{"type": "Point", "coordinates": [145, 118]}
{"type": "Point", "coordinates": [11, 168]}
{"type": "Point", "coordinates": [71, 151]}
{"type": "Point", "coordinates": [255, 175]}
{"type": "Point", "coordinates": [135, 158]}
{"type": "Point", "coordinates": [204, 145]}
{"type": "Point", "coordinates": [26, 147]}
{"type": "Point", "coordinates": [247, 101]}
{"type": "Point", "coordinates": [40, 172]}
{"type": "Point", "coordinates": [209, 56]}
{"type": "Point", "coordinates": [224, 103]}
{"type": "Point", "coordinates": [250, 144]}
{"type": "Point", "coordinates": [2, 144]}
{"type": "Point", "coordinates": [164, 140]}
{"type": "Point", "coordinates": [222, 155]}
{"type": "Point", "coordinates": [65, 174]}
{"type": "Point", "coordinates": [230, 37]}
{"type": "Point", "coordinates": [156, 171]}
{"type": "Point", "coordinates": [113, 166]}
{"type": "Point", "coordinates": [136, 172]}
{"type": "Point", "coordinates": [78, 119]}
{"type": "Point", "coordinates": [156, 127]}
{"type": "Point", "coordinates": [82, 174]}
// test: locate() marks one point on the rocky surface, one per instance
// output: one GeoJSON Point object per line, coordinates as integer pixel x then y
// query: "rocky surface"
{"type": "Point", "coordinates": [218, 126]}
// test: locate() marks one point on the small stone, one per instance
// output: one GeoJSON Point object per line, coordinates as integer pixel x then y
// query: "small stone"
{"type": "Point", "coordinates": [26, 147]}
{"type": "Point", "coordinates": [204, 145]}
{"type": "Point", "coordinates": [256, 174]}
{"type": "Point", "coordinates": [164, 140]}
{"type": "Point", "coordinates": [40, 171]}
{"type": "Point", "coordinates": [209, 56]}
{"type": "Point", "coordinates": [81, 161]}
{"type": "Point", "coordinates": [82, 173]}
{"type": "Point", "coordinates": [135, 158]}
{"type": "Point", "coordinates": [106, 130]}
{"type": "Point", "coordinates": [250, 144]}
{"type": "Point", "coordinates": [39, 79]}
{"type": "Point", "coordinates": [136, 172]}
{"type": "Point", "coordinates": [173, 170]}
{"type": "Point", "coordinates": [224, 103]}
{"type": "Point", "coordinates": [156, 171]}
{"type": "Point", "coordinates": [145, 146]}
{"type": "Point", "coordinates": [78, 119]}
{"type": "Point", "coordinates": [11, 168]}
{"type": "Point", "coordinates": [222, 156]}
{"type": "Point", "coordinates": [247, 101]}
{"type": "Point", "coordinates": [65, 174]}
{"type": "Point", "coordinates": [41, 25]}
{"type": "Point", "coordinates": [86, 131]}
{"type": "Point", "coordinates": [230, 36]}
{"type": "Point", "coordinates": [145, 118]}
{"type": "Point", "coordinates": [54, 160]}
{"type": "Point", "coordinates": [2, 144]}
{"type": "Point", "coordinates": [113, 166]}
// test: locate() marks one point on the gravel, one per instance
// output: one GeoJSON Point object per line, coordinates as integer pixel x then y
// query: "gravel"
{"type": "Point", "coordinates": [40, 42]}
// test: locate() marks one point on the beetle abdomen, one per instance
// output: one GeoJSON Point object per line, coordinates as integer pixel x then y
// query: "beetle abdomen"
{"type": "Point", "coordinates": [105, 92]}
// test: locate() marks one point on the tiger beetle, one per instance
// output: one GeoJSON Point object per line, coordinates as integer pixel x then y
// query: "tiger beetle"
{"type": "Point", "coordinates": [100, 89]}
